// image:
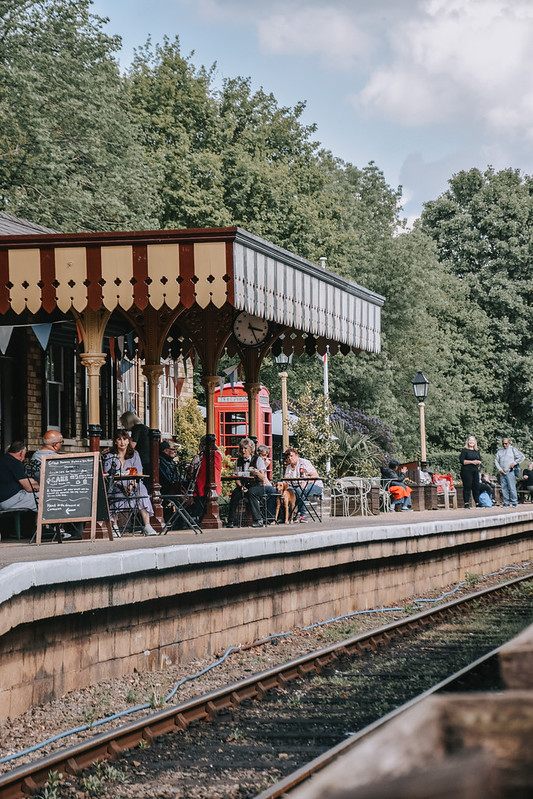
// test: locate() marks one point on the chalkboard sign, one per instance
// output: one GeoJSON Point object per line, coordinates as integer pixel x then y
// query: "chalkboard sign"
{"type": "Point", "coordinates": [72, 490]}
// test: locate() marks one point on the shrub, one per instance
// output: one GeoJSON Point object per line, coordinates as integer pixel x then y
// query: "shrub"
{"type": "Point", "coordinates": [444, 463]}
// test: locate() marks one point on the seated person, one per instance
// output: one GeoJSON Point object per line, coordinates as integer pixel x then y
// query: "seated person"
{"type": "Point", "coordinates": [52, 444]}
{"type": "Point", "coordinates": [297, 467]}
{"type": "Point", "coordinates": [126, 495]}
{"type": "Point", "coordinates": [398, 489]}
{"type": "Point", "coordinates": [486, 491]}
{"type": "Point", "coordinates": [169, 473]}
{"type": "Point", "coordinates": [526, 483]}
{"type": "Point", "coordinates": [17, 490]}
{"type": "Point", "coordinates": [264, 452]}
{"type": "Point", "coordinates": [250, 471]}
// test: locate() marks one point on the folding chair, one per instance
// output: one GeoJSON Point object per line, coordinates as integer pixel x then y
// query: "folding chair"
{"type": "Point", "coordinates": [181, 504]}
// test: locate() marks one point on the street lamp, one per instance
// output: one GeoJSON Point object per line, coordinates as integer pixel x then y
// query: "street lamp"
{"type": "Point", "coordinates": [283, 362]}
{"type": "Point", "coordinates": [420, 389]}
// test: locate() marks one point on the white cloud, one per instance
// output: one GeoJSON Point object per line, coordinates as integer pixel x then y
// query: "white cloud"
{"type": "Point", "coordinates": [457, 57]}
{"type": "Point", "coordinates": [328, 33]}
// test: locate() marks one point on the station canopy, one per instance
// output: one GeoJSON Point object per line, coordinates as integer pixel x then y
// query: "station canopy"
{"type": "Point", "coordinates": [184, 269]}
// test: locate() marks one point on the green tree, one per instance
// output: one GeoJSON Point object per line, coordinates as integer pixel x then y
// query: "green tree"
{"type": "Point", "coordinates": [483, 230]}
{"type": "Point", "coordinates": [70, 154]}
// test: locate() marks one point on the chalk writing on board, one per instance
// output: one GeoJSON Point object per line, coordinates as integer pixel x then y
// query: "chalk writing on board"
{"type": "Point", "coordinates": [68, 488]}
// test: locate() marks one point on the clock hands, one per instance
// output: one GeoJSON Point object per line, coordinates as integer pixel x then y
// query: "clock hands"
{"type": "Point", "coordinates": [254, 329]}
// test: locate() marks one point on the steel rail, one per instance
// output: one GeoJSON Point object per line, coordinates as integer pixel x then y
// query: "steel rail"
{"type": "Point", "coordinates": [27, 779]}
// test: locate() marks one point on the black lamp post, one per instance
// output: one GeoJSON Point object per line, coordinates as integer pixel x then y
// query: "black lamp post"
{"type": "Point", "coordinates": [420, 389]}
{"type": "Point", "coordinates": [283, 362]}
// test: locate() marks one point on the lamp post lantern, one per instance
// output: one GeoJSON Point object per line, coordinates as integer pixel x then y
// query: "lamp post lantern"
{"type": "Point", "coordinates": [420, 389]}
{"type": "Point", "coordinates": [283, 362]}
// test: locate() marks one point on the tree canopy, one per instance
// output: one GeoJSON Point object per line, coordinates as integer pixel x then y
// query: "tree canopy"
{"type": "Point", "coordinates": [84, 147]}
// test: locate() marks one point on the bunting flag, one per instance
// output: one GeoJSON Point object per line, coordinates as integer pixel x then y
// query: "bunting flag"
{"type": "Point", "coordinates": [221, 382]}
{"type": "Point", "coordinates": [42, 333]}
{"type": "Point", "coordinates": [167, 374]}
{"type": "Point", "coordinates": [112, 348]}
{"type": "Point", "coordinates": [185, 365]}
{"type": "Point", "coordinates": [132, 407]}
{"type": "Point", "coordinates": [231, 371]}
{"type": "Point", "coordinates": [120, 346]}
{"type": "Point", "coordinates": [179, 385]}
{"type": "Point", "coordinates": [124, 367]}
{"type": "Point", "coordinates": [79, 331]}
{"type": "Point", "coordinates": [5, 337]}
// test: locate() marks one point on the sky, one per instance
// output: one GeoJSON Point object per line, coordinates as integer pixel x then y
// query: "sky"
{"type": "Point", "coordinates": [423, 88]}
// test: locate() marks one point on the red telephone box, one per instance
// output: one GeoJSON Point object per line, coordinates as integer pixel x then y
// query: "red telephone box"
{"type": "Point", "coordinates": [231, 417]}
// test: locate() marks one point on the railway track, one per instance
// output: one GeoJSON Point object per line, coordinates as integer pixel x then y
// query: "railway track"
{"type": "Point", "coordinates": [349, 684]}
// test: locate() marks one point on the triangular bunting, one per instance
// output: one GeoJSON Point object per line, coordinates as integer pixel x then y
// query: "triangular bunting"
{"type": "Point", "coordinates": [124, 367]}
{"type": "Point", "coordinates": [5, 337]}
{"type": "Point", "coordinates": [112, 348]}
{"type": "Point", "coordinates": [179, 385]}
{"type": "Point", "coordinates": [42, 333]}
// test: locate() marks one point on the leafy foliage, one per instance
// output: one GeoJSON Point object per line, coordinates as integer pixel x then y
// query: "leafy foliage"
{"type": "Point", "coordinates": [482, 227]}
{"type": "Point", "coordinates": [357, 453]}
{"type": "Point", "coordinates": [313, 428]}
{"type": "Point", "coordinates": [190, 427]}
{"type": "Point", "coordinates": [70, 153]}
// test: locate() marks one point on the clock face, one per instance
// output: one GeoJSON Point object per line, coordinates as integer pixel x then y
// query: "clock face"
{"type": "Point", "coordinates": [251, 331]}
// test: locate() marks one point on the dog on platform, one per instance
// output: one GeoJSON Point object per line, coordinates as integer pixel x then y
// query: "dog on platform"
{"type": "Point", "coordinates": [286, 499]}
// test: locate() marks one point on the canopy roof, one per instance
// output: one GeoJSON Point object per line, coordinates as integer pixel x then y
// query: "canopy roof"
{"type": "Point", "coordinates": [169, 268]}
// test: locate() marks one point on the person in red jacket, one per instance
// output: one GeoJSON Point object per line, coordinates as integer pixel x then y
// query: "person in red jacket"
{"type": "Point", "coordinates": [199, 466]}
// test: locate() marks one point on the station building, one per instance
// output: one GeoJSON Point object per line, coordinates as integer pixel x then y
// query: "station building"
{"type": "Point", "coordinates": [92, 324]}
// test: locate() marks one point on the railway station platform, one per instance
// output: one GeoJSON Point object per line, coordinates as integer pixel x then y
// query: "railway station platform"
{"type": "Point", "coordinates": [75, 613]}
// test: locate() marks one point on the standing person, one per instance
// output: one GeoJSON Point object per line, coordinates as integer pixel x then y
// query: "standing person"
{"type": "Point", "coordinates": [127, 495]}
{"type": "Point", "coordinates": [505, 461]}
{"type": "Point", "coordinates": [295, 467]}
{"type": "Point", "coordinates": [17, 490]}
{"type": "Point", "coordinates": [140, 439]}
{"type": "Point", "coordinates": [470, 460]}
{"type": "Point", "coordinates": [199, 468]}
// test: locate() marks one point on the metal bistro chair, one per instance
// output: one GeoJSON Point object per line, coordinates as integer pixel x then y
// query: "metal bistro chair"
{"type": "Point", "coordinates": [181, 504]}
{"type": "Point", "coordinates": [385, 499]}
{"type": "Point", "coordinates": [354, 493]}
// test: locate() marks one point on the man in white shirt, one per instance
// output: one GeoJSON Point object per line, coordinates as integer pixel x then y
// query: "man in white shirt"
{"type": "Point", "coordinates": [298, 468]}
{"type": "Point", "coordinates": [506, 459]}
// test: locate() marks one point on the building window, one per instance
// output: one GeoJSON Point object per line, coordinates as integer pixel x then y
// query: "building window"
{"type": "Point", "coordinates": [55, 386]}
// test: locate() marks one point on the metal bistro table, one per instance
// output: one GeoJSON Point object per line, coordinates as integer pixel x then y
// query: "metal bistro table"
{"type": "Point", "coordinates": [127, 504]}
{"type": "Point", "coordinates": [305, 484]}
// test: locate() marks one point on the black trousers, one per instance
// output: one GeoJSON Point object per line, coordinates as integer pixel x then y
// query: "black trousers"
{"type": "Point", "coordinates": [252, 496]}
{"type": "Point", "coordinates": [470, 478]}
